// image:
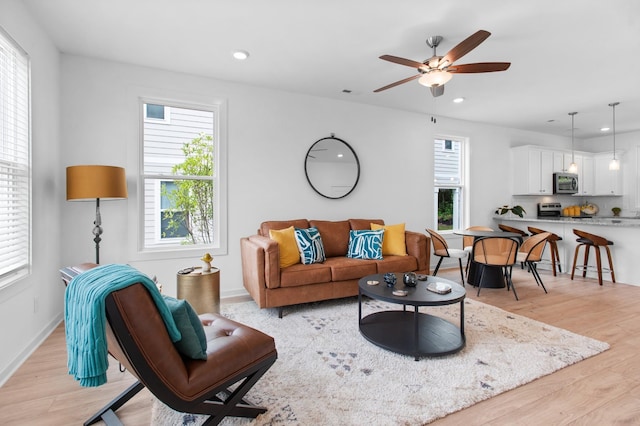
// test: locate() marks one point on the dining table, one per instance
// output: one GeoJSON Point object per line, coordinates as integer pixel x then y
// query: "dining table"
{"type": "Point", "coordinates": [492, 276]}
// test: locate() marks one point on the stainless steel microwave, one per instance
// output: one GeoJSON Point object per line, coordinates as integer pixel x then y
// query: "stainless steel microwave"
{"type": "Point", "coordinates": [565, 183]}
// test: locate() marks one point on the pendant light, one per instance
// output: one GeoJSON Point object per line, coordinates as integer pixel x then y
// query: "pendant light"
{"type": "Point", "coordinates": [614, 164]}
{"type": "Point", "coordinates": [573, 167]}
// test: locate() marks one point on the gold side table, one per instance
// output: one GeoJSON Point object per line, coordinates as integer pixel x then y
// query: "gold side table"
{"type": "Point", "coordinates": [201, 290]}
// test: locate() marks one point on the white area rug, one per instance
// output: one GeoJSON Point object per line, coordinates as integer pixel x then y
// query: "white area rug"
{"type": "Point", "coordinates": [328, 374]}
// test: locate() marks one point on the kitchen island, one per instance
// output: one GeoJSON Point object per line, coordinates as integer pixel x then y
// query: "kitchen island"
{"type": "Point", "coordinates": [623, 231]}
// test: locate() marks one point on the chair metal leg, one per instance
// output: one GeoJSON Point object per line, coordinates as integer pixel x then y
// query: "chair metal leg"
{"type": "Point", "coordinates": [461, 271]}
{"type": "Point", "coordinates": [536, 275]}
{"type": "Point", "coordinates": [480, 279]}
{"type": "Point", "coordinates": [435, 271]}
{"type": "Point", "coordinates": [510, 281]}
{"type": "Point", "coordinates": [107, 413]}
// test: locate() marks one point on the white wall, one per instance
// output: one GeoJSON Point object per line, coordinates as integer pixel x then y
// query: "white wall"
{"type": "Point", "coordinates": [32, 307]}
{"type": "Point", "coordinates": [269, 133]}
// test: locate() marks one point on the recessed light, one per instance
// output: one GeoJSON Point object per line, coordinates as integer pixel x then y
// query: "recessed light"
{"type": "Point", "coordinates": [458, 100]}
{"type": "Point", "coordinates": [604, 129]}
{"type": "Point", "coordinates": [241, 55]}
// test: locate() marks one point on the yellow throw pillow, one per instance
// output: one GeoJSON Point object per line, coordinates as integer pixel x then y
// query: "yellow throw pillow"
{"type": "Point", "coordinates": [286, 239]}
{"type": "Point", "coordinates": [393, 242]}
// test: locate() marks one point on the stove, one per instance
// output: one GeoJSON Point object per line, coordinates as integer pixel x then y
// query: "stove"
{"type": "Point", "coordinates": [546, 210]}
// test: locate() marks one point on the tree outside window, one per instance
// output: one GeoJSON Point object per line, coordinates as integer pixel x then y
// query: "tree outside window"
{"type": "Point", "coordinates": [189, 213]}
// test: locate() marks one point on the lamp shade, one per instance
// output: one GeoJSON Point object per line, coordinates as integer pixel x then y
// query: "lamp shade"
{"type": "Point", "coordinates": [91, 182]}
{"type": "Point", "coordinates": [435, 78]}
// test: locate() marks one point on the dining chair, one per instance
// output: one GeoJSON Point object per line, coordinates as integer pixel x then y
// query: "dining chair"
{"type": "Point", "coordinates": [530, 253]}
{"type": "Point", "coordinates": [467, 243]}
{"type": "Point", "coordinates": [498, 252]}
{"type": "Point", "coordinates": [553, 248]}
{"type": "Point", "coordinates": [507, 228]}
{"type": "Point", "coordinates": [441, 248]}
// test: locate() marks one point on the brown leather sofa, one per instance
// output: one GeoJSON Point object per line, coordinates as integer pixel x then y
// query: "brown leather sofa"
{"type": "Point", "coordinates": [274, 287]}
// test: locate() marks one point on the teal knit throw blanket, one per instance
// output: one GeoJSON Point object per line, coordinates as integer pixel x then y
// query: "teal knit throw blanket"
{"type": "Point", "coordinates": [85, 318]}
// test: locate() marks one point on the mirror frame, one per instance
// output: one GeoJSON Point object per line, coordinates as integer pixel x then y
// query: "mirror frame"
{"type": "Point", "coordinates": [355, 156]}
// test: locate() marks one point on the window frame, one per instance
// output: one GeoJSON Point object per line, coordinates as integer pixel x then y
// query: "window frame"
{"type": "Point", "coordinates": [169, 249]}
{"type": "Point", "coordinates": [22, 169]}
{"type": "Point", "coordinates": [460, 213]}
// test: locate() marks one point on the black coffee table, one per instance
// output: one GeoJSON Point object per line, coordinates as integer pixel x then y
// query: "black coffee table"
{"type": "Point", "coordinates": [412, 332]}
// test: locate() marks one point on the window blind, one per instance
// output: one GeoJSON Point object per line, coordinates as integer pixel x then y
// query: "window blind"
{"type": "Point", "coordinates": [15, 175]}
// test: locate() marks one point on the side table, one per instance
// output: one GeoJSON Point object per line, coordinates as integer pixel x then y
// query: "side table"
{"type": "Point", "coordinates": [201, 290]}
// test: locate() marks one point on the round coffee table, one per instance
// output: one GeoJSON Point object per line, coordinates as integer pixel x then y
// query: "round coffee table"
{"type": "Point", "coordinates": [412, 332]}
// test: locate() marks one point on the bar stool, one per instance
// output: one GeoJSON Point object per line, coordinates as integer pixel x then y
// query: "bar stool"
{"type": "Point", "coordinates": [553, 247]}
{"type": "Point", "coordinates": [588, 240]}
{"type": "Point", "coordinates": [507, 228]}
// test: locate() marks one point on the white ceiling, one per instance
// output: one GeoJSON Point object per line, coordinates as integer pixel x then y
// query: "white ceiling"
{"type": "Point", "coordinates": [566, 55]}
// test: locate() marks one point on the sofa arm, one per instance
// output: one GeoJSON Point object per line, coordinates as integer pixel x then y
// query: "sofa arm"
{"type": "Point", "coordinates": [418, 245]}
{"type": "Point", "coordinates": [260, 264]}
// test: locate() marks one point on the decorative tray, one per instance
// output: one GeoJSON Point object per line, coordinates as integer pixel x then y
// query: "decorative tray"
{"type": "Point", "coordinates": [440, 288]}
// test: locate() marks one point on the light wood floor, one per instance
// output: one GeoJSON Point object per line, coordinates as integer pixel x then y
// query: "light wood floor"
{"type": "Point", "coordinates": [602, 390]}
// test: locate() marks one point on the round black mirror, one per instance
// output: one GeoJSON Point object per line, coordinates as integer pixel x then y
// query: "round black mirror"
{"type": "Point", "coordinates": [332, 167]}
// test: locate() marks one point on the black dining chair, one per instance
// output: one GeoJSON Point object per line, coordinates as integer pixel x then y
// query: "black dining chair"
{"type": "Point", "coordinates": [497, 252]}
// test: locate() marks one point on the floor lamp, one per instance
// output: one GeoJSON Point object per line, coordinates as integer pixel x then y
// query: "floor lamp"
{"type": "Point", "coordinates": [86, 183]}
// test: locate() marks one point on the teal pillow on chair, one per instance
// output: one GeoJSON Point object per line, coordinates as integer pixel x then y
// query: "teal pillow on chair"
{"type": "Point", "coordinates": [365, 244]}
{"type": "Point", "coordinates": [193, 343]}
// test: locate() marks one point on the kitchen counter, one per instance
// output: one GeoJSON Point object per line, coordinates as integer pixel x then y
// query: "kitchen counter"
{"type": "Point", "coordinates": [623, 231]}
{"type": "Point", "coordinates": [595, 220]}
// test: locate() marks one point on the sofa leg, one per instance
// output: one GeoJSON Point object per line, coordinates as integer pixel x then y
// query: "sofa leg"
{"type": "Point", "coordinates": [280, 309]}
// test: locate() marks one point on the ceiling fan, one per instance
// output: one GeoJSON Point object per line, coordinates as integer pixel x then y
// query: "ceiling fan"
{"type": "Point", "coordinates": [437, 70]}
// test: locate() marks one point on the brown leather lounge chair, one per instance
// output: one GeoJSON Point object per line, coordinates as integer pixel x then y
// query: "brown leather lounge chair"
{"type": "Point", "coordinates": [138, 339]}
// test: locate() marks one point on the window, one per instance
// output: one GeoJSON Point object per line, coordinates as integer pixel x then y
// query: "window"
{"type": "Point", "coordinates": [181, 180]}
{"type": "Point", "coordinates": [15, 173]}
{"type": "Point", "coordinates": [172, 221]}
{"type": "Point", "coordinates": [448, 181]}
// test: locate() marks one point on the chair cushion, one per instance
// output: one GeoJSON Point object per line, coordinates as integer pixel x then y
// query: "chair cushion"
{"type": "Point", "coordinates": [365, 244]}
{"type": "Point", "coordinates": [286, 239]}
{"type": "Point", "coordinates": [393, 242]}
{"type": "Point", "coordinates": [310, 245]}
{"type": "Point", "coordinates": [193, 343]}
{"type": "Point", "coordinates": [458, 253]}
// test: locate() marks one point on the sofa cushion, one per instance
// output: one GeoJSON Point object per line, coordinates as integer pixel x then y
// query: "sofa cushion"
{"type": "Point", "coordinates": [310, 245]}
{"type": "Point", "coordinates": [286, 238]}
{"type": "Point", "coordinates": [365, 244]}
{"type": "Point", "coordinates": [335, 236]}
{"type": "Point", "coordinates": [363, 224]}
{"type": "Point", "coordinates": [393, 242]}
{"type": "Point", "coordinates": [344, 268]}
{"type": "Point", "coordinates": [281, 224]}
{"type": "Point", "coordinates": [300, 275]}
{"type": "Point", "coordinates": [396, 264]}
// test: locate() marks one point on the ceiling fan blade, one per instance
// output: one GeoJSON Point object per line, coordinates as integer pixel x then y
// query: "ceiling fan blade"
{"type": "Point", "coordinates": [437, 90]}
{"type": "Point", "coordinates": [397, 83]}
{"type": "Point", "coordinates": [464, 47]}
{"type": "Point", "coordinates": [479, 67]}
{"type": "Point", "coordinates": [402, 61]}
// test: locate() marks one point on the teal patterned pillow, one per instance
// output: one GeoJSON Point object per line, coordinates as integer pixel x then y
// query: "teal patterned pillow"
{"type": "Point", "coordinates": [365, 244]}
{"type": "Point", "coordinates": [310, 245]}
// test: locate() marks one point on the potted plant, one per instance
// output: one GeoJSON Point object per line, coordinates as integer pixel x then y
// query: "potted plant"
{"type": "Point", "coordinates": [517, 210]}
{"type": "Point", "coordinates": [616, 211]}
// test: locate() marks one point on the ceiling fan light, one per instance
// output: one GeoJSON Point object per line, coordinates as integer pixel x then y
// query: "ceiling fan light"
{"type": "Point", "coordinates": [435, 78]}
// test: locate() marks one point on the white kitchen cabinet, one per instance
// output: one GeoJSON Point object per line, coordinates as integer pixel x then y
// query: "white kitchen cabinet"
{"type": "Point", "coordinates": [607, 182]}
{"type": "Point", "coordinates": [532, 170]}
